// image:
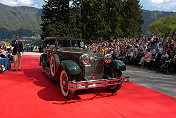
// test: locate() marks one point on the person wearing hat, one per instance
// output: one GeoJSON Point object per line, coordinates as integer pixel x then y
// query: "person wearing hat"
{"type": "Point", "coordinates": [17, 52]}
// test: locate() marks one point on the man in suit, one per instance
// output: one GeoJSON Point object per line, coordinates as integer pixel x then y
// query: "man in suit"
{"type": "Point", "coordinates": [157, 55]}
{"type": "Point", "coordinates": [17, 52]}
{"type": "Point", "coordinates": [156, 58]}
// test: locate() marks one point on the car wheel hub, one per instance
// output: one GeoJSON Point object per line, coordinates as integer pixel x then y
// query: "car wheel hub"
{"type": "Point", "coordinates": [65, 83]}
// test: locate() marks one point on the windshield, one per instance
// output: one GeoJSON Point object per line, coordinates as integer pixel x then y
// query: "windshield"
{"type": "Point", "coordinates": [77, 43]}
{"type": "Point", "coordinates": [66, 43]}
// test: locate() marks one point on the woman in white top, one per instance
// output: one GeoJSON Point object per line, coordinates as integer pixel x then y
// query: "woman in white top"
{"type": "Point", "coordinates": [164, 55]}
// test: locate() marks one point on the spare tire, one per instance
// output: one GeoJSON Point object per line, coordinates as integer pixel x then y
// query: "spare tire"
{"type": "Point", "coordinates": [54, 62]}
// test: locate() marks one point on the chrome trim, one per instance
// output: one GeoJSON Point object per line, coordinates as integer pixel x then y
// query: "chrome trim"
{"type": "Point", "coordinates": [95, 83]}
{"type": "Point", "coordinates": [87, 65]}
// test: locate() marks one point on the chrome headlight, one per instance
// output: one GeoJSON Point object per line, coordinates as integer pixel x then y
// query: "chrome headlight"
{"type": "Point", "coordinates": [85, 59]}
{"type": "Point", "coordinates": [108, 58]}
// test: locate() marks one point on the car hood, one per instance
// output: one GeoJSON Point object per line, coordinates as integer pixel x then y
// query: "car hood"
{"type": "Point", "coordinates": [75, 53]}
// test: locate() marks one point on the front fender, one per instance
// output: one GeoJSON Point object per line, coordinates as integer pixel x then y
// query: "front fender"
{"type": "Point", "coordinates": [117, 65]}
{"type": "Point", "coordinates": [71, 67]}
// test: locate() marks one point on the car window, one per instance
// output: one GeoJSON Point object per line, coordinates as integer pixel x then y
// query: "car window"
{"type": "Point", "coordinates": [59, 43]}
{"type": "Point", "coordinates": [53, 42]}
{"type": "Point", "coordinates": [82, 44]}
{"type": "Point", "coordinates": [77, 43]}
{"type": "Point", "coordinates": [66, 43]}
{"type": "Point", "coordinates": [46, 44]}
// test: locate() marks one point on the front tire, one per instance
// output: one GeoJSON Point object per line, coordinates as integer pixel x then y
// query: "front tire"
{"type": "Point", "coordinates": [115, 88]}
{"type": "Point", "coordinates": [66, 92]}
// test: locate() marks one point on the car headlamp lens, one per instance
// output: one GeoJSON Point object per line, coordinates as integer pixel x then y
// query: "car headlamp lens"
{"type": "Point", "coordinates": [85, 59]}
{"type": "Point", "coordinates": [108, 58]}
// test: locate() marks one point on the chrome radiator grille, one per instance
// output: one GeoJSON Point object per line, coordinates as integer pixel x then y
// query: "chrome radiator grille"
{"type": "Point", "coordinates": [95, 68]}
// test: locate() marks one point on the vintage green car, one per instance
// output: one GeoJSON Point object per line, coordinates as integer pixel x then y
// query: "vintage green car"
{"type": "Point", "coordinates": [66, 59]}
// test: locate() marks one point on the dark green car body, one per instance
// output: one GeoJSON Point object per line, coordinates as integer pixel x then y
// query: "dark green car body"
{"type": "Point", "coordinates": [65, 53]}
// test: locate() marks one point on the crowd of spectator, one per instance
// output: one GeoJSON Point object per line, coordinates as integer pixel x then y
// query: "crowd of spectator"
{"type": "Point", "coordinates": [156, 52]}
{"type": "Point", "coordinates": [5, 51]}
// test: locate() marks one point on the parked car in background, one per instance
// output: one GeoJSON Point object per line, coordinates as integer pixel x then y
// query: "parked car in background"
{"type": "Point", "coordinates": [66, 59]}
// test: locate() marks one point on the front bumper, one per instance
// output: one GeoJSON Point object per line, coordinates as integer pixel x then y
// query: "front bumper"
{"type": "Point", "coordinates": [96, 83]}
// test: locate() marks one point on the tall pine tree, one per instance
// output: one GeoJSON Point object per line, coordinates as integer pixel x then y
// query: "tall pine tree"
{"type": "Point", "coordinates": [55, 18]}
{"type": "Point", "coordinates": [132, 18]}
{"type": "Point", "coordinates": [101, 19]}
{"type": "Point", "coordinates": [75, 18]}
{"type": "Point", "coordinates": [113, 18]}
{"type": "Point", "coordinates": [93, 20]}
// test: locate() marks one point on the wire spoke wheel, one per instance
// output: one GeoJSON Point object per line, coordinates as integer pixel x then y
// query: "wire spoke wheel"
{"type": "Point", "coordinates": [52, 66]}
{"type": "Point", "coordinates": [114, 88]}
{"type": "Point", "coordinates": [64, 81]}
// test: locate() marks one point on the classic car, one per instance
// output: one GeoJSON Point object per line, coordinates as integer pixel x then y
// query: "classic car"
{"type": "Point", "coordinates": [66, 59]}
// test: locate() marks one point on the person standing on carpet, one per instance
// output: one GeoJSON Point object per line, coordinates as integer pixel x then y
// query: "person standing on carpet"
{"type": "Point", "coordinates": [17, 52]}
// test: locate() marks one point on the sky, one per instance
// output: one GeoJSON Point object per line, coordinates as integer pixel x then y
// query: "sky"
{"type": "Point", "coordinates": [160, 5]}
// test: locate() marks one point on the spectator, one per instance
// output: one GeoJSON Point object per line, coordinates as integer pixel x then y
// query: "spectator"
{"type": "Point", "coordinates": [162, 61]}
{"type": "Point", "coordinates": [146, 58]}
{"type": "Point", "coordinates": [171, 62]}
{"type": "Point", "coordinates": [129, 56]}
{"type": "Point", "coordinates": [152, 51]}
{"type": "Point", "coordinates": [2, 50]}
{"type": "Point", "coordinates": [138, 56]}
{"type": "Point", "coordinates": [156, 58]}
{"type": "Point", "coordinates": [131, 50]}
{"type": "Point", "coordinates": [2, 55]}
{"type": "Point", "coordinates": [160, 48]}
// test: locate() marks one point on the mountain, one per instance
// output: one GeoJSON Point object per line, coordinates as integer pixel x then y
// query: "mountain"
{"type": "Point", "coordinates": [151, 16]}
{"type": "Point", "coordinates": [25, 21]}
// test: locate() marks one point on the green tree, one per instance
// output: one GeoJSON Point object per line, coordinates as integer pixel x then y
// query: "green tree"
{"type": "Point", "coordinates": [132, 18]}
{"type": "Point", "coordinates": [164, 25]}
{"type": "Point", "coordinates": [55, 18]}
{"type": "Point", "coordinates": [113, 18]}
{"type": "Point", "coordinates": [101, 19]}
{"type": "Point", "coordinates": [92, 20]}
{"type": "Point", "coordinates": [75, 19]}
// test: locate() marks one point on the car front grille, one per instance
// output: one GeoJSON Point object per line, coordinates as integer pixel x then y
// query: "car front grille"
{"type": "Point", "coordinates": [95, 68]}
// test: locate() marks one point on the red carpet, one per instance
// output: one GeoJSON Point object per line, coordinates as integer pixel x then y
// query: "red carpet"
{"type": "Point", "coordinates": [30, 94]}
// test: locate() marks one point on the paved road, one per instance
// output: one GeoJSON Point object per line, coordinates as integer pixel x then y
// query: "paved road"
{"type": "Point", "coordinates": [160, 82]}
